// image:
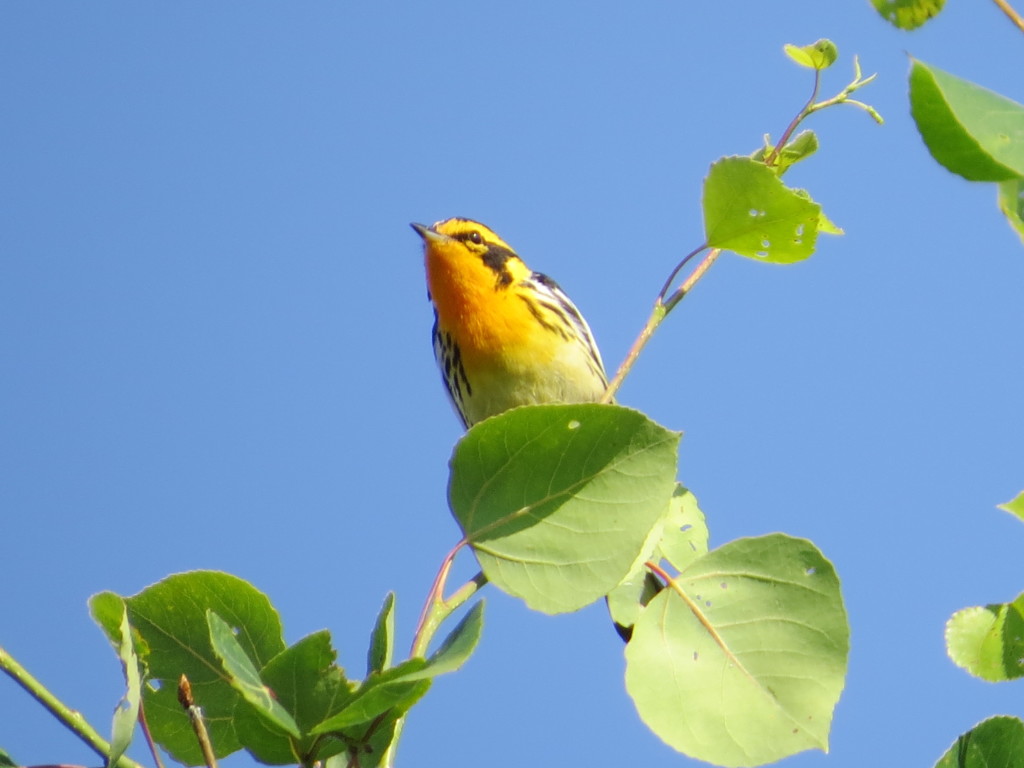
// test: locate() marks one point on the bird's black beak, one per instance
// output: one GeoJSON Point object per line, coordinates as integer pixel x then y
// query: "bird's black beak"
{"type": "Point", "coordinates": [428, 234]}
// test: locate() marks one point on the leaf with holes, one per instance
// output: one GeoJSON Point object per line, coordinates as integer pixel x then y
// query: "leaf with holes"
{"type": "Point", "coordinates": [745, 666]}
{"type": "Point", "coordinates": [559, 501]}
{"type": "Point", "coordinates": [748, 210]}
{"type": "Point", "coordinates": [682, 538]}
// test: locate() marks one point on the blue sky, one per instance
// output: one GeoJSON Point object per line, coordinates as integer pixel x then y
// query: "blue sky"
{"type": "Point", "coordinates": [214, 333]}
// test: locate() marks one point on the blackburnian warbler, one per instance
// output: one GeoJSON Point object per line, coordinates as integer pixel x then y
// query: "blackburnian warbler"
{"type": "Point", "coordinates": [503, 334]}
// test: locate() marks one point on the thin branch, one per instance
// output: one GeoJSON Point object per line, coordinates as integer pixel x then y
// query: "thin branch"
{"type": "Point", "coordinates": [671, 278]}
{"type": "Point", "coordinates": [658, 314]}
{"type": "Point", "coordinates": [691, 281]}
{"type": "Point", "coordinates": [653, 321]}
{"type": "Point", "coordinates": [72, 719]}
{"type": "Point", "coordinates": [144, 726]}
{"type": "Point", "coordinates": [807, 109]}
{"type": "Point", "coordinates": [195, 716]}
{"type": "Point", "coordinates": [1015, 17]}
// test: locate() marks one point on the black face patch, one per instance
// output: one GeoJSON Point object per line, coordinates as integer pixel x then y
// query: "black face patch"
{"type": "Point", "coordinates": [496, 258]}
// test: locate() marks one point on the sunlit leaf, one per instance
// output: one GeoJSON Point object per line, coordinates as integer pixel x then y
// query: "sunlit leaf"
{"type": "Point", "coordinates": [802, 146]}
{"type": "Point", "coordinates": [988, 642]}
{"type": "Point", "coordinates": [994, 743]}
{"type": "Point", "coordinates": [1011, 203]}
{"type": "Point", "coordinates": [307, 682]}
{"type": "Point", "coordinates": [382, 638]}
{"type": "Point", "coordinates": [970, 130]}
{"type": "Point", "coordinates": [748, 667]}
{"type": "Point", "coordinates": [558, 501]}
{"type": "Point", "coordinates": [458, 646]}
{"type": "Point", "coordinates": [244, 677]}
{"type": "Point", "coordinates": [1015, 506]}
{"type": "Point", "coordinates": [908, 14]}
{"type": "Point", "coordinates": [126, 715]}
{"type": "Point", "coordinates": [684, 537]}
{"type": "Point", "coordinates": [394, 688]}
{"type": "Point", "coordinates": [172, 639]}
{"type": "Point", "coordinates": [819, 55]}
{"type": "Point", "coordinates": [748, 210]}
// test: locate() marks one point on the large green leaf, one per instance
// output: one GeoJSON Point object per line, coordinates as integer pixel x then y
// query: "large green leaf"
{"type": "Point", "coordinates": [988, 642]}
{"type": "Point", "coordinates": [559, 501]}
{"type": "Point", "coordinates": [748, 210]}
{"type": "Point", "coordinates": [748, 667]}
{"type": "Point", "coordinates": [994, 743]}
{"type": "Point", "coordinates": [970, 130]}
{"type": "Point", "coordinates": [172, 639]}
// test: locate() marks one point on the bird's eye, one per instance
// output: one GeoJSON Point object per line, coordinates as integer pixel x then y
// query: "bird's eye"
{"type": "Point", "coordinates": [476, 237]}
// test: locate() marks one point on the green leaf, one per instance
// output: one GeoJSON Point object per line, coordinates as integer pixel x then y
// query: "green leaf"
{"type": "Point", "coordinates": [307, 682]}
{"type": "Point", "coordinates": [395, 688]}
{"type": "Point", "coordinates": [6, 761]}
{"type": "Point", "coordinates": [244, 677]}
{"type": "Point", "coordinates": [382, 640]}
{"type": "Point", "coordinates": [970, 130]}
{"type": "Point", "coordinates": [127, 712]}
{"type": "Point", "coordinates": [988, 642]}
{"type": "Point", "coordinates": [1015, 506]}
{"type": "Point", "coordinates": [172, 639]}
{"type": "Point", "coordinates": [800, 148]}
{"type": "Point", "coordinates": [819, 55]}
{"type": "Point", "coordinates": [908, 14]}
{"type": "Point", "coordinates": [685, 536]}
{"type": "Point", "coordinates": [748, 210]}
{"type": "Point", "coordinates": [994, 743]}
{"type": "Point", "coordinates": [457, 647]}
{"type": "Point", "coordinates": [558, 501]}
{"type": "Point", "coordinates": [366, 745]}
{"type": "Point", "coordinates": [627, 601]}
{"type": "Point", "coordinates": [107, 609]}
{"type": "Point", "coordinates": [682, 538]}
{"type": "Point", "coordinates": [1011, 203]}
{"type": "Point", "coordinates": [746, 669]}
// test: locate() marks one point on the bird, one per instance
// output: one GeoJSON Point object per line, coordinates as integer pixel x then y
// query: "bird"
{"type": "Point", "coordinates": [503, 335]}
